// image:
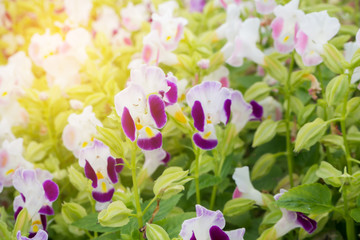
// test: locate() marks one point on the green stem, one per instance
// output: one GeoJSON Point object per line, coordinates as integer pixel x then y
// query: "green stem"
{"type": "Point", "coordinates": [289, 147]}
{"type": "Point", "coordinates": [150, 203]}
{"type": "Point", "coordinates": [344, 134]}
{"type": "Point", "coordinates": [213, 197]}
{"type": "Point", "coordinates": [350, 230]}
{"type": "Point", "coordinates": [197, 169]}
{"type": "Point", "coordinates": [139, 213]}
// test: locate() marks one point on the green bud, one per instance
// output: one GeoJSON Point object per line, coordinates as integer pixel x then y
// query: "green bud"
{"type": "Point", "coordinates": [238, 206]}
{"type": "Point", "coordinates": [116, 215]}
{"type": "Point", "coordinates": [332, 140]}
{"type": "Point", "coordinates": [336, 90]}
{"type": "Point", "coordinates": [4, 232]}
{"type": "Point", "coordinates": [72, 212]}
{"type": "Point", "coordinates": [77, 179]}
{"type": "Point", "coordinates": [339, 41]}
{"type": "Point", "coordinates": [155, 232]}
{"type": "Point", "coordinates": [333, 58]}
{"type": "Point", "coordinates": [265, 132]}
{"type": "Point", "coordinates": [22, 222]}
{"type": "Point", "coordinates": [170, 182]}
{"type": "Point", "coordinates": [257, 92]}
{"type": "Point", "coordinates": [305, 113]}
{"type": "Point", "coordinates": [111, 138]}
{"type": "Point", "coordinates": [268, 234]}
{"type": "Point", "coordinates": [263, 166]}
{"type": "Point", "coordinates": [309, 134]}
{"type": "Point", "coordinates": [330, 174]}
{"type": "Point", "coordinates": [276, 69]}
{"type": "Point", "coordinates": [310, 176]}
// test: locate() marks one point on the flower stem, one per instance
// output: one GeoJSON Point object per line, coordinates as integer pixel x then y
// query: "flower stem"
{"type": "Point", "coordinates": [350, 230]}
{"type": "Point", "coordinates": [289, 147]}
{"type": "Point", "coordinates": [197, 169]}
{"type": "Point", "coordinates": [139, 212]}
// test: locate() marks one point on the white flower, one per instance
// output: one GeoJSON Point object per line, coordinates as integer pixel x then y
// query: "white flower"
{"type": "Point", "coordinates": [78, 10]}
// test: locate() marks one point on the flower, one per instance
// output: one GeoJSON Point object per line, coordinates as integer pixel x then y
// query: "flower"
{"type": "Point", "coordinates": [349, 50]}
{"type": "Point", "coordinates": [315, 30]}
{"type": "Point", "coordinates": [244, 187]}
{"type": "Point", "coordinates": [286, 25]}
{"type": "Point", "coordinates": [80, 131]}
{"type": "Point", "coordinates": [10, 160]}
{"type": "Point", "coordinates": [37, 193]}
{"type": "Point", "coordinates": [265, 6]}
{"type": "Point", "coordinates": [210, 104]}
{"type": "Point", "coordinates": [244, 44]}
{"type": "Point", "coordinates": [78, 10]}
{"type": "Point", "coordinates": [221, 75]}
{"type": "Point", "coordinates": [102, 169]}
{"type": "Point", "coordinates": [291, 220]}
{"type": "Point", "coordinates": [208, 225]}
{"type": "Point", "coordinates": [272, 108]}
{"type": "Point", "coordinates": [242, 112]}
{"type": "Point", "coordinates": [134, 15]}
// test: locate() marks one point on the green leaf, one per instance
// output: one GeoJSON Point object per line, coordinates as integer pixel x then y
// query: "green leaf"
{"type": "Point", "coordinates": [165, 207]}
{"type": "Point", "coordinates": [336, 90]}
{"type": "Point", "coordinates": [305, 113]}
{"type": "Point", "coordinates": [263, 166]}
{"type": "Point", "coordinates": [90, 223]}
{"type": "Point", "coordinates": [333, 58]}
{"type": "Point", "coordinates": [156, 232]}
{"type": "Point", "coordinates": [276, 69]}
{"type": "Point", "coordinates": [108, 236]}
{"type": "Point", "coordinates": [112, 139]}
{"type": "Point", "coordinates": [205, 180]}
{"type": "Point", "coordinates": [22, 222]}
{"type": "Point", "coordinates": [355, 214]}
{"type": "Point", "coordinates": [265, 132]}
{"type": "Point", "coordinates": [172, 224]}
{"type": "Point", "coordinates": [4, 232]}
{"type": "Point", "coordinates": [330, 174]}
{"type": "Point", "coordinates": [310, 176]}
{"type": "Point", "coordinates": [257, 92]}
{"type": "Point", "coordinates": [238, 206]}
{"type": "Point", "coordinates": [333, 140]}
{"type": "Point", "coordinates": [309, 198]}
{"type": "Point", "coordinates": [310, 134]}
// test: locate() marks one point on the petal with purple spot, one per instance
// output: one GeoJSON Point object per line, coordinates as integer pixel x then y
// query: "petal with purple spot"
{"type": "Point", "coordinates": [193, 237]}
{"type": "Point", "coordinates": [257, 110]}
{"type": "Point", "coordinates": [307, 223]}
{"type": "Point", "coordinates": [227, 109]}
{"type": "Point", "coordinates": [205, 144]}
{"type": "Point", "coordinates": [46, 210]}
{"type": "Point", "coordinates": [119, 165]}
{"type": "Point", "coordinates": [111, 171]}
{"type": "Point", "coordinates": [128, 124]}
{"type": "Point", "coordinates": [149, 143]}
{"type": "Point", "coordinates": [17, 212]}
{"type": "Point", "coordinates": [51, 190]}
{"type": "Point", "coordinates": [103, 197]}
{"type": "Point", "coordinates": [172, 94]}
{"type": "Point", "coordinates": [217, 233]}
{"type": "Point", "coordinates": [90, 174]}
{"type": "Point", "coordinates": [198, 115]}
{"type": "Point", "coordinates": [157, 110]}
{"type": "Point", "coordinates": [43, 221]}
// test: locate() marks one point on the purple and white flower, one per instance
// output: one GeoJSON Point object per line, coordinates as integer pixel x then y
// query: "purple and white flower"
{"type": "Point", "coordinates": [102, 169]}
{"type": "Point", "coordinates": [134, 15]}
{"type": "Point", "coordinates": [286, 25]}
{"type": "Point", "coordinates": [40, 235]}
{"type": "Point", "coordinates": [208, 225]}
{"type": "Point", "coordinates": [210, 104]}
{"type": "Point", "coordinates": [265, 6]}
{"type": "Point", "coordinates": [291, 220]}
{"type": "Point", "coordinates": [315, 30]}
{"type": "Point", "coordinates": [37, 193]}
{"type": "Point", "coordinates": [244, 187]}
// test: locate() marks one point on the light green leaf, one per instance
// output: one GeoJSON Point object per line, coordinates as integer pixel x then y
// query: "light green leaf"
{"type": "Point", "coordinates": [238, 206]}
{"type": "Point", "coordinates": [310, 134]}
{"type": "Point", "coordinates": [265, 132]}
{"type": "Point", "coordinates": [355, 214]}
{"type": "Point", "coordinates": [262, 166]}
{"type": "Point", "coordinates": [155, 232]}
{"type": "Point", "coordinates": [257, 92]}
{"type": "Point", "coordinates": [309, 198]}
{"type": "Point", "coordinates": [205, 180]}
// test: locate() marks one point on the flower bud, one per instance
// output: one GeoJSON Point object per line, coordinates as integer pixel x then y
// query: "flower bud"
{"type": "Point", "coordinates": [116, 215]}
{"type": "Point", "coordinates": [155, 232]}
{"type": "Point", "coordinates": [72, 212]}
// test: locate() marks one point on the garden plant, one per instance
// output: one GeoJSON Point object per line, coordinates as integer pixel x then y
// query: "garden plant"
{"type": "Point", "coordinates": [179, 119]}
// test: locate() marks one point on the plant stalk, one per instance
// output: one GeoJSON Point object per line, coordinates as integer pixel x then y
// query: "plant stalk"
{"type": "Point", "coordinates": [350, 229]}
{"type": "Point", "coordinates": [197, 169]}
{"type": "Point", "coordinates": [139, 212]}
{"type": "Point", "coordinates": [289, 147]}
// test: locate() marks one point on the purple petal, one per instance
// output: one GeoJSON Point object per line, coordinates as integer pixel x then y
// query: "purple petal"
{"type": "Point", "coordinates": [46, 210]}
{"type": "Point", "coordinates": [157, 110]}
{"type": "Point", "coordinates": [216, 217]}
{"type": "Point", "coordinates": [307, 223]}
{"type": "Point", "coordinates": [43, 221]}
{"type": "Point", "coordinates": [90, 174]}
{"type": "Point", "coordinates": [119, 165]}
{"type": "Point", "coordinates": [17, 212]}
{"type": "Point", "coordinates": [111, 170]}
{"type": "Point", "coordinates": [166, 159]}
{"type": "Point", "coordinates": [103, 197]}
{"type": "Point", "coordinates": [23, 197]}
{"type": "Point", "coordinates": [150, 143]}
{"type": "Point", "coordinates": [193, 237]}
{"type": "Point", "coordinates": [128, 124]}
{"type": "Point", "coordinates": [237, 193]}
{"type": "Point", "coordinates": [206, 144]}
{"type": "Point", "coordinates": [172, 94]}
{"type": "Point", "coordinates": [40, 235]}
{"type": "Point", "coordinates": [227, 109]}
{"type": "Point", "coordinates": [198, 115]}
{"type": "Point", "coordinates": [51, 190]}
{"type": "Point", "coordinates": [197, 5]}
{"type": "Point", "coordinates": [257, 110]}
{"type": "Point", "coordinates": [217, 233]}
